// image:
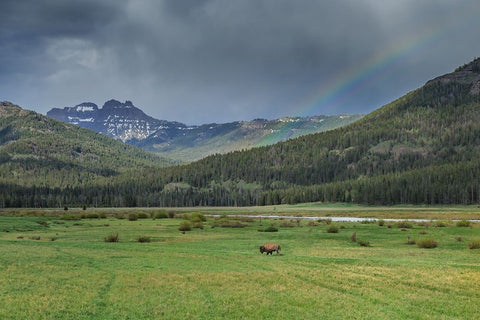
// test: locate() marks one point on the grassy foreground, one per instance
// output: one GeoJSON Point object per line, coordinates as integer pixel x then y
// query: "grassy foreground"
{"type": "Point", "coordinates": [63, 269]}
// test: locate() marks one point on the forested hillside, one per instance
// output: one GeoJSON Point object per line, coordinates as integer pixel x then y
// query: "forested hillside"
{"type": "Point", "coordinates": [36, 151]}
{"type": "Point", "coordinates": [421, 148]}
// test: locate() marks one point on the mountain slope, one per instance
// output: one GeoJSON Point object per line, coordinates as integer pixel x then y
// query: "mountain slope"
{"type": "Point", "coordinates": [175, 140]}
{"type": "Point", "coordinates": [201, 141]}
{"type": "Point", "coordinates": [37, 150]}
{"type": "Point", "coordinates": [421, 148]}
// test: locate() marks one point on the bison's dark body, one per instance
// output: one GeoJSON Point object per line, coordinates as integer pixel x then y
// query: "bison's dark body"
{"type": "Point", "coordinates": [269, 247]}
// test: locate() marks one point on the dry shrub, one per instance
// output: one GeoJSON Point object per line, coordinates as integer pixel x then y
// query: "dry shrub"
{"type": "Point", "coordinates": [185, 226]}
{"type": "Point", "coordinates": [111, 238]}
{"type": "Point", "coordinates": [332, 229]}
{"type": "Point", "coordinates": [427, 243]}
{"type": "Point", "coordinates": [404, 224]}
{"type": "Point", "coordinates": [474, 243]}
{"type": "Point", "coordinates": [363, 243]}
{"type": "Point", "coordinates": [353, 237]}
{"type": "Point", "coordinates": [463, 223]}
{"type": "Point", "coordinates": [143, 239]}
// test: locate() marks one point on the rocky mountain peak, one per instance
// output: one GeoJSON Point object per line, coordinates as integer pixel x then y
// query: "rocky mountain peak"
{"type": "Point", "coordinates": [469, 73]}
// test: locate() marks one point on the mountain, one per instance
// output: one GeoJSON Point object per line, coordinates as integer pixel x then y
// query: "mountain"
{"type": "Point", "coordinates": [175, 140]}
{"type": "Point", "coordinates": [36, 150]}
{"type": "Point", "coordinates": [121, 121]}
{"type": "Point", "coordinates": [422, 148]}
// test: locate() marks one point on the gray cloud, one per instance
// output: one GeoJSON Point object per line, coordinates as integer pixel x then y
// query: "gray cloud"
{"type": "Point", "coordinates": [214, 60]}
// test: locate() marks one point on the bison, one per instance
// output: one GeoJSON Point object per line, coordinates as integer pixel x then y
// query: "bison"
{"type": "Point", "coordinates": [269, 247]}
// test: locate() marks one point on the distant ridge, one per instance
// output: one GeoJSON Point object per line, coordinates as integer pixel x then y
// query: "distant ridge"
{"type": "Point", "coordinates": [175, 140]}
{"type": "Point", "coordinates": [37, 151]}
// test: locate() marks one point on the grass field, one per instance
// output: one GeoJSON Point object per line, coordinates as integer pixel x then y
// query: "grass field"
{"type": "Point", "coordinates": [53, 268]}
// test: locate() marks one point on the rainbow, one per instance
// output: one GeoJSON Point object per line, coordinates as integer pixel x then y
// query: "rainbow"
{"type": "Point", "coordinates": [330, 95]}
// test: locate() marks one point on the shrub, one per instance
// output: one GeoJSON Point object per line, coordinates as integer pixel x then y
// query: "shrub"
{"type": "Point", "coordinates": [271, 229]}
{"type": "Point", "coordinates": [132, 217]}
{"type": "Point", "coordinates": [162, 214]}
{"type": "Point", "coordinates": [404, 224]}
{"type": "Point", "coordinates": [427, 243]}
{"type": "Point", "coordinates": [102, 215]}
{"type": "Point", "coordinates": [440, 224]}
{"type": "Point", "coordinates": [459, 239]}
{"type": "Point", "coordinates": [92, 216]}
{"type": "Point", "coordinates": [381, 222]}
{"type": "Point", "coordinates": [198, 225]}
{"type": "Point", "coordinates": [142, 215]}
{"type": "Point", "coordinates": [171, 214]}
{"type": "Point", "coordinates": [332, 229]}
{"type": "Point", "coordinates": [423, 232]}
{"type": "Point", "coordinates": [410, 241]}
{"type": "Point", "coordinates": [363, 243]}
{"type": "Point", "coordinates": [53, 238]}
{"type": "Point", "coordinates": [111, 238]}
{"type": "Point", "coordinates": [34, 238]}
{"type": "Point", "coordinates": [185, 226]}
{"type": "Point", "coordinates": [312, 223]}
{"type": "Point", "coordinates": [463, 223]}
{"type": "Point", "coordinates": [143, 239]}
{"type": "Point", "coordinates": [353, 237]}
{"type": "Point", "coordinates": [326, 221]}
{"type": "Point", "coordinates": [84, 207]}
{"type": "Point", "coordinates": [198, 216]}
{"type": "Point", "coordinates": [474, 243]}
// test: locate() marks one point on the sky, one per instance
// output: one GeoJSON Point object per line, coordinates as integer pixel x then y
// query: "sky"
{"type": "Point", "coordinates": [204, 61]}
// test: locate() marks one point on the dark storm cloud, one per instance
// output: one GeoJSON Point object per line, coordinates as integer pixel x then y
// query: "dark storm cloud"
{"type": "Point", "coordinates": [210, 60]}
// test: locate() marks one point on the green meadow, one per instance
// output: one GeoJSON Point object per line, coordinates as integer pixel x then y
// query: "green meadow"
{"type": "Point", "coordinates": [55, 265]}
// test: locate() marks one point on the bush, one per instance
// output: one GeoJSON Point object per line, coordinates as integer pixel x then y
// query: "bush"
{"type": "Point", "coordinates": [463, 223]}
{"type": "Point", "coordinates": [410, 241]}
{"type": "Point", "coordinates": [132, 217]}
{"type": "Point", "coordinates": [459, 239]}
{"type": "Point", "coordinates": [427, 243]}
{"type": "Point", "coordinates": [381, 222]}
{"type": "Point", "coordinates": [326, 221]}
{"type": "Point", "coordinates": [198, 225]}
{"type": "Point", "coordinates": [171, 214]}
{"type": "Point", "coordinates": [312, 223]}
{"type": "Point", "coordinates": [474, 244]}
{"type": "Point", "coordinates": [332, 229]}
{"type": "Point", "coordinates": [271, 229]}
{"type": "Point", "coordinates": [162, 214]}
{"type": "Point", "coordinates": [185, 226]}
{"type": "Point", "coordinates": [353, 237]}
{"type": "Point", "coordinates": [142, 215]}
{"type": "Point", "coordinates": [198, 217]}
{"type": "Point", "coordinates": [404, 224]}
{"type": "Point", "coordinates": [363, 243]}
{"type": "Point", "coordinates": [92, 216]}
{"type": "Point", "coordinates": [111, 238]}
{"type": "Point", "coordinates": [143, 239]}
{"type": "Point", "coordinates": [440, 224]}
